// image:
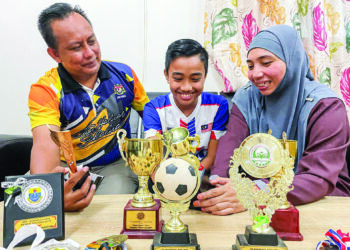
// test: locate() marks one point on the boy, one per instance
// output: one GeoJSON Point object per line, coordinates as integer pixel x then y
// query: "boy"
{"type": "Point", "coordinates": [205, 114]}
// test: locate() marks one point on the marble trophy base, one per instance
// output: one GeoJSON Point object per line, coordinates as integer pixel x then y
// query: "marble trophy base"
{"type": "Point", "coordinates": [262, 241]}
{"type": "Point", "coordinates": [175, 241]}
{"type": "Point", "coordinates": [141, 222]}
{"type": "Point", "coordinates": [285, 222]}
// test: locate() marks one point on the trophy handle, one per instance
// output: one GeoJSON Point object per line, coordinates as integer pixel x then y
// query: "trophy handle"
{"type": "Point", "coordinates": [167, 138]}
{"type": "Point", "coordinates": [195, 138]}
{"type": "Point", "coordinates": [121, 142]}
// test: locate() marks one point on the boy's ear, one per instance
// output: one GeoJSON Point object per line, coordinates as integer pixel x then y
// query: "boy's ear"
{"type": "Point", "coordinates": [166, 76]}
{"type": "Point", "coordinates": [54, 54]}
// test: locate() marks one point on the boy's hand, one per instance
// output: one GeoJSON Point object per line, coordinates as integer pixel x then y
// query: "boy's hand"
{"type": "Point", "coordinates": [221, 200]}
{"type": "Point", "coordinates": [80, 198]}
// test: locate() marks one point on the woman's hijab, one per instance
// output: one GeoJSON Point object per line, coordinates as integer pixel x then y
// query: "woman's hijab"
{"type": "Point", "coordinates": [287, 108]}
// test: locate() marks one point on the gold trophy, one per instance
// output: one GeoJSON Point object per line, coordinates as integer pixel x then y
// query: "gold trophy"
{"type": "Point", "coordinates": [141, 214]}
{"type": "Point", "coordinates": [63, 139]}
{"type": "Point", "coordinates": [180, 142]}
{"type": "Point", "coordinates": [285, 220]}
{"type": "Point", "coordinates": [261, 156]}
{"type": "Point", "coordinates": [177, 181]}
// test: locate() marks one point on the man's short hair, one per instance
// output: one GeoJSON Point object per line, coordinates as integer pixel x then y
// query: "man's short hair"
{"type": "Point", "coordinates": [186, 48]}
{"type": "Point", "coordinates": [57, 11]}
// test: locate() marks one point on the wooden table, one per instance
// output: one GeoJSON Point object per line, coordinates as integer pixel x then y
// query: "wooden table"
{"type": "Point", "coordinates": [104, 218]}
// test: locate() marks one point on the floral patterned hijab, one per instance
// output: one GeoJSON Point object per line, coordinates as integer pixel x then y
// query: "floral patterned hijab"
{"type": "Point", "coordinates": [287, 108]}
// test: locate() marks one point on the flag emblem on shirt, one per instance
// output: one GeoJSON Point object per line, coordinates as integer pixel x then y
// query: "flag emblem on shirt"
{"type": "Point", "coordinates": [119, 89]}
{"type": "Point", "coordinates": [207, 127]}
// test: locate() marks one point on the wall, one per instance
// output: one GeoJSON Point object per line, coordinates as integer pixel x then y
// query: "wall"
{"type": "Point", "coordinates": [119, 26]}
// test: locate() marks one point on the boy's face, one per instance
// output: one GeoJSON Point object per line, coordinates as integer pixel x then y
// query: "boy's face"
{"type": "Point", "coordinates": [186, 76]}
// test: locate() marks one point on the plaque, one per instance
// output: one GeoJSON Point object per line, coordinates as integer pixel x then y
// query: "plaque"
{"type": "Point", "coordinates": [33, 199]}
{"type": "Point", "coordinates": [261, 156]}
{"type": "Point", "coordinates": [141, 213]}
{"type": "Point", "coordinates": [177, 181]}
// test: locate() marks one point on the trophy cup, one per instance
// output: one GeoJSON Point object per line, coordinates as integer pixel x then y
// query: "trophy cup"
{"type": "Point", "coordinates": [141, 213]}
{"type": "Point", "coordinates": [285, 220]}
{"type": "Point", "coordinates": [261, 156]}
{"type": "Point", "coordinates": [180, 141]}
{"type": "Point", "coordinates": [63, 140]}
{"type": "Point", "coordinates": [177, 181]}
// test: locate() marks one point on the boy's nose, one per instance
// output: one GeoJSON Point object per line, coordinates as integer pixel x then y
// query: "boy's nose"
{"type": "Point", "coordinates": [187, 86]}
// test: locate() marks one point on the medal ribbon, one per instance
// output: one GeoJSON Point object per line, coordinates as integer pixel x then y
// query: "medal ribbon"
{"type": "Point", "coordinates": [338, 238]}
{"type": "Point", "coordinates": [12, 185]}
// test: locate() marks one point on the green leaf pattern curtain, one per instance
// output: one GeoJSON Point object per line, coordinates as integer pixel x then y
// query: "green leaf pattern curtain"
{"type": "Point", "coordinates": [324, 27]}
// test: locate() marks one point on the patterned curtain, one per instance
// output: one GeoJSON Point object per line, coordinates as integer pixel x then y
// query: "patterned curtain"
{"type": "Point", "coordinates": [323, 25]}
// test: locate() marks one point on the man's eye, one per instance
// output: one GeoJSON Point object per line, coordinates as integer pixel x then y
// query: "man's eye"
{"type": "Point", "coordinates": [91, 42]}
{"type": "Point", "coordinates": [178, 79]}
{"type": "Point", "coordinates": [76, 48]}
{"type": "Point", "coordinates": [196, 79]}
{"type": "Point", "coordinates": [250, 67]}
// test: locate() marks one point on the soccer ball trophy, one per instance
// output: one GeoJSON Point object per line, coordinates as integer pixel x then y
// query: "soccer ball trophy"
{"type": "Point", "coordinates": [261, 156]}
{"type": "Point", "coordinates": [177, 181]}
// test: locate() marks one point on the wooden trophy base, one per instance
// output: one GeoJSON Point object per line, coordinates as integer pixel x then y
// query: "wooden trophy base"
{"type": "Point", "coordinates": [175, 241]}
{"type": "Point", "coordinates": [262, 241]}
{"type": "Point", "coordinates": [141, 222]}
{"type": "Point", "coordinates": [285, 222]}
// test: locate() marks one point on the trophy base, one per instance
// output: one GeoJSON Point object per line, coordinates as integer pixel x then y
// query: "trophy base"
{"type": "Point", "coordinates": [285, 222]}
{"type": "Point", "coordinates": [141, 223]}
{"type": "Point", "coordinates": [175, 241]}
{"type": "Point", "coordinates": [262, 241]}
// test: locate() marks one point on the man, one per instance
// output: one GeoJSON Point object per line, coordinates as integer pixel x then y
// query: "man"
{"type": "Point", "coordinates": [89, 97]}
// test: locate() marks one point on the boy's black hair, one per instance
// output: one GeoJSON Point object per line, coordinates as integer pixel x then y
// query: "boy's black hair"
{"type": "Point", "coordinates": [186, 48]}
{"type": "Point", "coordinates": [57, 11]}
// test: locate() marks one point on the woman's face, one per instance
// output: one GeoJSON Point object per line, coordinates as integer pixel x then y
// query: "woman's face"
{"type": "Point", "coordinates": [266, 70]}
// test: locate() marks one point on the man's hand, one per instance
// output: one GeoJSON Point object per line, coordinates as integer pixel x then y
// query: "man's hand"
{"type": "Point", "coordinates": [80, 198]}
{"type": "Point", "coordinates": [221, 200]}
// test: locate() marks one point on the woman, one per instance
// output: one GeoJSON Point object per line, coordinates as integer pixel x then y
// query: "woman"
{"type": "Point", "coordinates": [283, 96]}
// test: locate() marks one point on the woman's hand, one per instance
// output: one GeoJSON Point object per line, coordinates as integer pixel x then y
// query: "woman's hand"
{"type": "Point", "coordinates": [221, 200]}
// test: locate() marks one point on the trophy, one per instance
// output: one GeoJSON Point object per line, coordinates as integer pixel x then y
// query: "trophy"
{"type": "Point", "coordinates": [141, 213]}
{"type": "Point", "coordinates": [261, 156]}
{"type": "Point", "coordinates": [285, 220]}
{"type": "Point", "coordinates": [180, 141]}
{"type": "Point", "coordinates": [177, 181]}
{"type": "Point", "coordinates": [63, 140]}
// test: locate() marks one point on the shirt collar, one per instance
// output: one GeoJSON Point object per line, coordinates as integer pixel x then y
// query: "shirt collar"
{"type": "Point", "coordinates": [69, 84]}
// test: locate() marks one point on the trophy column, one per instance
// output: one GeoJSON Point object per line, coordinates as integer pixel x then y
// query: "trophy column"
{"type": "Point", "coordinates": [177, 180]}
{"type": "Point", "coordinates": [141, 214]}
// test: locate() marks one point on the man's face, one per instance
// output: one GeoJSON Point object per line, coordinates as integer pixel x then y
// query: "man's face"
{"type": "Point", "coordinates": [186, 76]}
{"type": "Point", "coordinates": [78, 49]}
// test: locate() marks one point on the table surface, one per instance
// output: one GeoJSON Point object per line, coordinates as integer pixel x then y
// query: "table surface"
{"type": "Point", "coordinates": [104, 217]}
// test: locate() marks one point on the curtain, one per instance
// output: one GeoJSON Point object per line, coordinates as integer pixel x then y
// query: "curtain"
{"type": "Point", "coordinates": [324, 27]}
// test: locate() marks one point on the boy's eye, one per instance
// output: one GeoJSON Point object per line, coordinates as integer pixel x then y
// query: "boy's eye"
{"type": "Point", "coordinates": [250, 67]}
{"type": "Point", "coordinates": [196, 79]}
{"type": "Point", "coordinates": [177, 79]}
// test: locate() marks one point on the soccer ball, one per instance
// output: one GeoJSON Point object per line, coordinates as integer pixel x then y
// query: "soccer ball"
{"type": "Point", "coordinates": [175, 179]}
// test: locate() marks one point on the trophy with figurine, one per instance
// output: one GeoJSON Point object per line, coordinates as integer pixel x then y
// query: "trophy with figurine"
{"type": "Point", "coordinates": [261, 156]}
{"type": "Point", "coordinates": [141, 213]}
{"type": "Point", "coordinates": [177, 181]}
